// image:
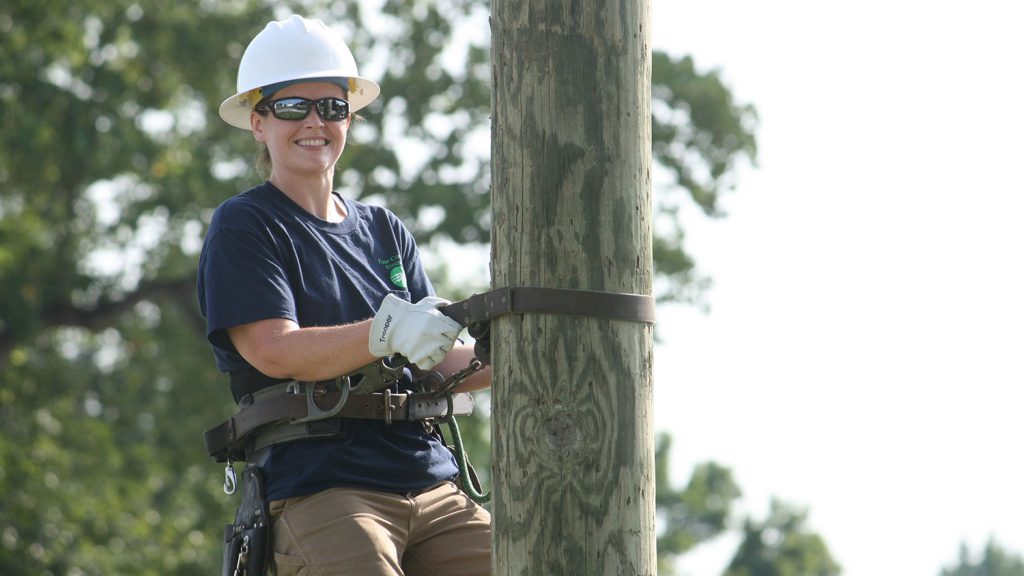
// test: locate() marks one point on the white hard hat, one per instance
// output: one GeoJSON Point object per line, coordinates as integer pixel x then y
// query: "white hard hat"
{"type": "Point", "coordinates": [289, 50]}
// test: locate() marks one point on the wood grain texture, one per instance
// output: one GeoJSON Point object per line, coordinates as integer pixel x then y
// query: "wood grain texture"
{"type": "Point", "coordinates": [571, 402]}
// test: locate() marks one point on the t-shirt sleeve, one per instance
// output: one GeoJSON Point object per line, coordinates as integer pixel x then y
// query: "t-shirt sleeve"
{"type": "Point", "coordinates": [242, 280]}
{"type": "Point", "coordinates": [419, 285]}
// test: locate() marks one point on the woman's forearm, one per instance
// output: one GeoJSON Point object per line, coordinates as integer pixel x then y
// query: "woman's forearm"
{"type": "Point", "coordinates": [280, 349]}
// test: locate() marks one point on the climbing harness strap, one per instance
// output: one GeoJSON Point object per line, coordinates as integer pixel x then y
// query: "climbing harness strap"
{"type": "Point", "coordinates": [385, 406]}
{"type": "Point", "coordinates": [477, 311]}
{"type": "Point", "coordinates": [293, 410]}
{"type": "Point", "coordinates": [526, 299]}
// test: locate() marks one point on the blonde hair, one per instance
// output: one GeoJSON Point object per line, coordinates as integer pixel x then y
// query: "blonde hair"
{"type": "Point", "coordinates": [264, 163]}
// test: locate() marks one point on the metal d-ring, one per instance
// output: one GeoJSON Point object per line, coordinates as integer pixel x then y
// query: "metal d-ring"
{"type": "Point", "coordinates": [313, 411]}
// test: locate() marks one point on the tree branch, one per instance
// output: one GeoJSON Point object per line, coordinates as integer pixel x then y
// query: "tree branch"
{"type": "Point", "coordinates": [106, 312]}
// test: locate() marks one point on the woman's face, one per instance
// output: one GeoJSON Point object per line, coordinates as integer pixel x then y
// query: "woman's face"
{"type": "Point", "coordinates": [303, 147]}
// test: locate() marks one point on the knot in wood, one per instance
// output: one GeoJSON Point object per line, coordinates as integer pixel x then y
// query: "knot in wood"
{"type": "Point", "coordinates": [562, 433]}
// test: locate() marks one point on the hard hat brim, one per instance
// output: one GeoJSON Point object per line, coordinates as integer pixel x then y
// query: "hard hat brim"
{"type": "Point", "coordinates": [235, 110]}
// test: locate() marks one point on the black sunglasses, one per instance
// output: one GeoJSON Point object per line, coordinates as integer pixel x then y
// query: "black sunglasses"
{"type": "Point", "coordinates": [330, 109]}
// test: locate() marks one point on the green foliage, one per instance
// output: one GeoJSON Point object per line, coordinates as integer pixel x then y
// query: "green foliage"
{"type": "Point", "coordinates": [699, 134]}
{"type": "Point", "coordinates": [119, 162]}
{"type": "Point", "coordinates": [778, 546]}
{"type": "Point", "coordinates": [693, 515]}
{"type": "Point", "coordinates": [782, 546]}
{"type": "Point", "coordinates": [101, 469]}
{"type": "Point", "coordinates": [112, 159]}
{"type": "Point", "coordinates": [993, 561]}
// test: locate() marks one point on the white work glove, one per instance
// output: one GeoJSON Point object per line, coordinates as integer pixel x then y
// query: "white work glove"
{"type": "Point", "coordinates": [419, 331]}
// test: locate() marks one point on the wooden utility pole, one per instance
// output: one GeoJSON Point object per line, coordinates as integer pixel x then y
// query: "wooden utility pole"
{"type": "Point", "coordinates": [571, 175]}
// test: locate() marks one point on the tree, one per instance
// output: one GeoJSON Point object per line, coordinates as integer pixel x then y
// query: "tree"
{"type": "Point", "coordinates": [102, 192]}
{"type": "Point", "coordinates": [702, 511]}
{"type": "Point", "coordinates": [993, 561]}
{"type": "Point", "coordinates": [781, 546]}
{"type": "Point", "coordinates": [111, 161]}
{"type": "Point", "coordinates": [694, 515]}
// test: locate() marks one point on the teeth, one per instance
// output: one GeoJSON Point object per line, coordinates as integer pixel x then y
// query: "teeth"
{"type": "Point", "coordinates": [312, 142]}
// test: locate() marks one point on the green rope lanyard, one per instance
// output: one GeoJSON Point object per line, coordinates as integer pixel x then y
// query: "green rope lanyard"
{"type": "Point", "coordinates": [460, 456]}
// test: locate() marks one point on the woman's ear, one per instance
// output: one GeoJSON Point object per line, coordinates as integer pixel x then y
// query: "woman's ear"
{"type": "Point", "coordinates": [256, 122]}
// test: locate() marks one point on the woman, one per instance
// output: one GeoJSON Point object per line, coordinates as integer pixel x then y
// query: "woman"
{"type": "Point", "coordinates": [300, 284]}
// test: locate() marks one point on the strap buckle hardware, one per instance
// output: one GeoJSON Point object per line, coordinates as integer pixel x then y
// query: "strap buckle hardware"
{"type": "Point", "coordinates": [380, 374]}
{"type": "Point", "coordinates": [314, 390]}
{"type": "Point", "coordinates": [386, 399]}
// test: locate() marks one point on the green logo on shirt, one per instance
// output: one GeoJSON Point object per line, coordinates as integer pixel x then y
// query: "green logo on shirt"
{"type": "Point", "coordinates": [398, 276]}
{"type": "Point", "coordinates": [395, 270]}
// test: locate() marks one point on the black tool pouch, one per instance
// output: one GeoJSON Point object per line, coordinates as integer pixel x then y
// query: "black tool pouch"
{"type": "Point", "coordinates": [247, 541]}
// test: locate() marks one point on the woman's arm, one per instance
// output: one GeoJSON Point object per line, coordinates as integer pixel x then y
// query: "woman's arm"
{"type": "Point", "coordinates": [279, 348]}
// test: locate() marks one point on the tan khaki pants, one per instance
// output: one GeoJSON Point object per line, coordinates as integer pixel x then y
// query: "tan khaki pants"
{"type": "Point", "coordinates": [348, 531]}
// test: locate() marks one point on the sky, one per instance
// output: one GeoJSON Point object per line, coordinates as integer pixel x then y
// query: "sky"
{"type": "Point", "coordinates": [862, 355]}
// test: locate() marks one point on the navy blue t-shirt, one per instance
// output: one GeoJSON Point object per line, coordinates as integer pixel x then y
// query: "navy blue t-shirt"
{"type": "Point", "coordinates": [265, 257]}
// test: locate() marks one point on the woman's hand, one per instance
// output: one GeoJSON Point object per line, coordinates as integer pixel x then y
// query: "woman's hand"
{"type": "Point", "coordinates": [419, 331]}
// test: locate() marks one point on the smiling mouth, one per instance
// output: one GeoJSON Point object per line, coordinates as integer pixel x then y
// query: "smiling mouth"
{"type": "Point", "coordinates": [312, 142]}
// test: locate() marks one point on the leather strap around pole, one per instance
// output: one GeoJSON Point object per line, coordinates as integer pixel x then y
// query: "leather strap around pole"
{"type": "Point", "coordinates": [525, 299]}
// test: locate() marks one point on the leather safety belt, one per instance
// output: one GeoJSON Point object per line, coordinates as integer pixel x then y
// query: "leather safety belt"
{"type": "Point", "coordinates": [286, 407]}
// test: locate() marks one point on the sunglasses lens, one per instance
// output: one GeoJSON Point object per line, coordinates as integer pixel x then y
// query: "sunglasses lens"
{"type": "Point", "coordinates": [291, 108]}
{"type": "Point", "coordinates": [332, 108]}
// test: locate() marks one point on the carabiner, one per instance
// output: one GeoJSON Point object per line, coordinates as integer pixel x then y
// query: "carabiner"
{"type": "Point", "coordinates": [230, 480]}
